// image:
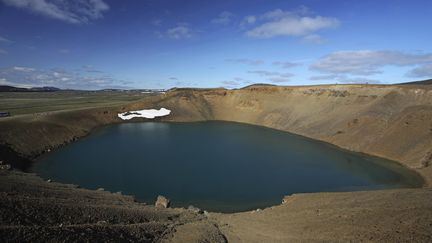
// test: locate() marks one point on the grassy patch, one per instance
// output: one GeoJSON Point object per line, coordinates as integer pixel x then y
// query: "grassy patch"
{"type": "Point", "coordinates": [20, 103]}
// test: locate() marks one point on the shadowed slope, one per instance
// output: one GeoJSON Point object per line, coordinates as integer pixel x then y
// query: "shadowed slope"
{"type": "Point", "coordinates": [394, 122]}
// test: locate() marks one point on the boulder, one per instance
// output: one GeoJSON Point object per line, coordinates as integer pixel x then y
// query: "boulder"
{"type": "Point", "coordinates": [4, 166]}
{"type": "Point", "coordinates": [195, 209]}
{"type": "Point", "coordinates": [162, 202]}
{"type": "Point", "coordinates": [426, 160]}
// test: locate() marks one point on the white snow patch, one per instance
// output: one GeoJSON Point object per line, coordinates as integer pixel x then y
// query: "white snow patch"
{"type": "Point", "coordinates": [150, 114]}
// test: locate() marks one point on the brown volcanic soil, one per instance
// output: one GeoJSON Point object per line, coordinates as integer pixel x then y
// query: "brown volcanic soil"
{"type": "Point", "coordinates": [376, 216]}
{"type": "Point", "coordinates": [394, 122]}
{"type": "Point", "coordinates": [34, 210]}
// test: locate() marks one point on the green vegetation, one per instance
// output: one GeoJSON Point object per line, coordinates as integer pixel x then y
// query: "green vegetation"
{"type": "Point", "coordinates": [20, 103]}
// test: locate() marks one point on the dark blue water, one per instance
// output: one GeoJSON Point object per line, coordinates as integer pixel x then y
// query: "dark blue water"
{"type": "Point", "coordinates": [217, 166]}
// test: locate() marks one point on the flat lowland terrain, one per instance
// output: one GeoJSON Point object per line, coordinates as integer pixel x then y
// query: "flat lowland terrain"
{"type": "Point", "coordinates": [390, 121]}
{"type": "Point", "coordinates": [19, 103]}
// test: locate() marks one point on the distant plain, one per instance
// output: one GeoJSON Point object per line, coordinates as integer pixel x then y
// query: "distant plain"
{"type": "Point", "coordinates": [20, 103]}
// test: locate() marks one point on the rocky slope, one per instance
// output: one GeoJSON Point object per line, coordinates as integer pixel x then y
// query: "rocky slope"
{"type": "Point", "coordinates": [377, 216]}
{"type": "Point", "coordinates": [33, 210]}
{"type": "Point", "coordinates": [388, 121]}
{"type": "Point", "coordinates": [394, 122]}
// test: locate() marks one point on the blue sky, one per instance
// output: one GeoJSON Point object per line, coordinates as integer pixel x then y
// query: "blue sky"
{"type": "Point", "coordinates": [92, 44]}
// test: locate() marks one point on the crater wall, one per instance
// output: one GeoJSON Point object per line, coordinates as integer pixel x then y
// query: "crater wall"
{"type": "Point", "coordinates": [393, 122]}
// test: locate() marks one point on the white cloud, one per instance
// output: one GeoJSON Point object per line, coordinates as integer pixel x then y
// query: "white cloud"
{"type": "Point", "coordinates": [274, 77]}
{"type": "Point", "coordinates": [366, 62]}
{"type": "Point", "coordinates": [90, 69]}
{"type": "Point", "coordinates": [345, 79]}
{"type": "Point", "coordinates": [33, 77]}
{"type": "Point", "coordinates": [290, 23]}
{"type": "Point", "coordinates": [279, 13]}
{"type": "Point", "coordinates": [292, 27]}
{"type": "Point", "coordinates": [248, 20]}
{"type": "Point", "coordinates": [230, 83]}
{"type": "Point", "coordinates": [327, 77]}
{"type": "Point", "coordinates": [4, 81]}
{"type": "Point", "coordinates": [422, 71]}
{"type": "Point", "coordinates": [181, 31]}
{"type": "Point", "coordinates": [223, 18]}
{"type": "Point", "coordinates": [235, 82]}
{"type": "Point", "coordinates": [76, 12]}
{"type": "Point", "coordinates": [268, 73]}
{"type": "Point", "coordinates": [286, 64]}
{"type": "Point", "coordinates": [313, 39]}
{"type": "Point", "coordinates": [5, 40]}
{"type": "Point", "coordinates": [246, 61]}
{"type": "Point", "coordinates": [279, 80]}
{"type": "Point", "coordinates": [23, 69]}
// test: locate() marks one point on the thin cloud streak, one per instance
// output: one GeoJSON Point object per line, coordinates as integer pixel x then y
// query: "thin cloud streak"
{"type": "Point", "coordinates": [246, 61]}
{"type": "Point", "coordinates": [367, 62]}
{"type": "Point", "coordinates": [57, 77]}
{"type": "Point", "coordinates": [78, 12]}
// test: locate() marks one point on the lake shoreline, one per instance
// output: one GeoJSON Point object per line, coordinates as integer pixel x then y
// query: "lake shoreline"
{"type": "Point", "coordinates": [23, 162]}
{"type": "Point", "coordinates": [352, 168]}
{"type": "Point", "coordinates": [30, 136]}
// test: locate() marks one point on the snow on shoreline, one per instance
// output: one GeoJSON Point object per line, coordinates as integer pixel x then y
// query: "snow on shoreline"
{"type": "Point", "coordinates": [150, 113]}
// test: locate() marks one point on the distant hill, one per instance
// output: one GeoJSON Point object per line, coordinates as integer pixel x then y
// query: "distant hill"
{"type": "Point", "coordinates": [7, 88]}
{"type": "Point", "coordinates": [44, 89]}
{"type": "Point", "coordinates": [257, 85]}
{"type": "Point", "coordinates": [422, 82]}
{"type": "Point", "coordinates": [193, 89]}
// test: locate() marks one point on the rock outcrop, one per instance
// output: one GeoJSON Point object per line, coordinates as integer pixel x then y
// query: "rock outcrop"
{"type": "Point", "coordinates": [162, 202]}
